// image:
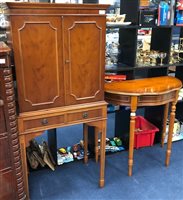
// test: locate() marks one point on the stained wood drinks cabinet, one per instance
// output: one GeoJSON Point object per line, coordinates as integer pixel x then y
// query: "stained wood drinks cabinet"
{"type": "Point", "coordinates": [11, 175]}
{"type": "Point", "coordinates": [59, 52]}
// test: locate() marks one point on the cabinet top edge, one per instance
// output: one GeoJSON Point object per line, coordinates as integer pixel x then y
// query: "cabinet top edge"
{"type": "Point", "coordinates": [13, 5]}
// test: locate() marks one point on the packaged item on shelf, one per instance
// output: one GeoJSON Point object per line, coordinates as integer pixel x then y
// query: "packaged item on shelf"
{"type": "Point", "coordinates": [147, 17]}
{"type": "Point", "coordinates": [179, 17]}
{"type": "Point", "coordinates": [163, 13]}
{"type": "Point", "coordinates": [179, 5]}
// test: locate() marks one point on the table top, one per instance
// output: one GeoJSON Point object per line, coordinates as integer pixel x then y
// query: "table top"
{"type": "Point", "coordinates": [146, 86]}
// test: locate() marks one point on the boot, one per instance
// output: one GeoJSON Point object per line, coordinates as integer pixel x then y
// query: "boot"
{"type": "Point", "coordinates": [37, 152]}
{"type": "Point", "coordinates": [46, 148]}
{"type": "Point", "coordinates": [47, 160]}
{"type": "Point", "coordinates": [31, 158]}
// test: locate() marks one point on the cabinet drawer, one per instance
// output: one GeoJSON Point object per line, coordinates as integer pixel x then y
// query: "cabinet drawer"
{"type": "Point", "coordinates": [43, 122]}
{"type": "Point", "coordinates": [84, 115]}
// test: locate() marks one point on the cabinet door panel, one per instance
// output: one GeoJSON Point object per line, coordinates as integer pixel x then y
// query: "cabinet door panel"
{"type": "Point", "coordinates": [84, 58]}
{"type": "Point", "coordinates": [38, 60]}
{"type": "Point", "coordinates": [2, 121]}
{"type": "Point", "coordinates": [7, 183]}
{"type": "Point", "coordinates": [5, 157]}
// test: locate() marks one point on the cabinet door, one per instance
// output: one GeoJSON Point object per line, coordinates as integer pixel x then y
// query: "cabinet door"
{"type": "Point", "coordinates": [84, 40]}
{"type": "Point", "coordinates": [38, 61]}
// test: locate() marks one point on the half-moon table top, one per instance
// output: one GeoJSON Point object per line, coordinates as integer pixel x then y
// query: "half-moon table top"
{"type": "Point", "coordinates": [146, 86]}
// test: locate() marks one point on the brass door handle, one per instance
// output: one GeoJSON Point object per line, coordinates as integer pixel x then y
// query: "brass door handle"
{"type": "Point", "coordinates": [67, 61]}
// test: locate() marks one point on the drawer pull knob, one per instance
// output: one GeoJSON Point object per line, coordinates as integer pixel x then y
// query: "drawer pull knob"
{"type": "Point", "coordinates": [85, 115]}
{"type": "Point", "coordinates": [67, 61]}
{"type": "Point", "coordinates": [44, 122]}
{"type": "Point", "coordinates": [1, 102]}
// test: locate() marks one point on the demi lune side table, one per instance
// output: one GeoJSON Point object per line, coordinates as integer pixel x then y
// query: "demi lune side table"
{"type": "Point", "coordinates": [146, 92]}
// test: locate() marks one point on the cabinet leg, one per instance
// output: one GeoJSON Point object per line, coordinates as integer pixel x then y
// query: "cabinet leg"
{"type": "Point", "coordinates": [132, 130]}
{"type": "Point", "coordinates": [102, 153]}
{"type": "Point", "coordinates": [164, 124]}
{"type": "Point", "coordinates": [96, 144]}
{"type": "Point", "coordinates": [85, 138]}
{"type": "Point", "coordinates": [100, 126]}
{"type": "Point", "coordinates": [170, 133]}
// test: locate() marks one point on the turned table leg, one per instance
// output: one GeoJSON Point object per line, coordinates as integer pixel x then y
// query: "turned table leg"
{"type": "Point", "coordinates": [164, 124]}
{"type": "Point", "coordinates": [170, 133]}
{"type": "Point", "coordinates": [132, 130]}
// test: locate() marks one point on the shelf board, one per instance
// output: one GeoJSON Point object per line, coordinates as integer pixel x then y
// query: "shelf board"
{"type": "Point", "coordinates": [124, 67]}
{"type": "Point", "coordinates": [138, 26]}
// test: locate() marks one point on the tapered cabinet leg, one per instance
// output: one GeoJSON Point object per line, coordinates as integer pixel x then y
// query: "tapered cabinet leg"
{"type": "Point", "coordinates": [85, 138]}
{"type": "Point", "coordinates": [102, 153]}
{"type": "Point", "coordinates": [96, 144]}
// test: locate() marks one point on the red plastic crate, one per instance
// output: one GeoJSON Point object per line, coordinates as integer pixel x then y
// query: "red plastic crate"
{"type": "Point", "coordinates": [144, 132]}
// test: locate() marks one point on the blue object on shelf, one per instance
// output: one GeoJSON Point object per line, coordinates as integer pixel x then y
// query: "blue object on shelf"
{"type": "Point", "coordinates": [163, 13]}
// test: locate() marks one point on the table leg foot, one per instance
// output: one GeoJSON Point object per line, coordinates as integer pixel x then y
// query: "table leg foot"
{"type": "Point", "coordinates": [167, 161]}
{"type": "Point", "coordinates": [130, 167]}
{"type": "Point", "coordinates": [101, 183]}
